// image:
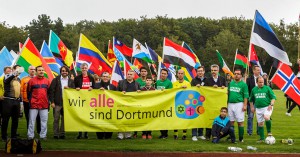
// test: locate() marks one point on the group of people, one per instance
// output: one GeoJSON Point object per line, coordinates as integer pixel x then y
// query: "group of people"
{"type": "Point", "coordinates": [36, 92]}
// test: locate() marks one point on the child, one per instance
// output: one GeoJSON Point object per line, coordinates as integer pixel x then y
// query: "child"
{"type": "Point", "coordinates": [147, 87]}
{"type": "Point", "coordinates": [221, 127]}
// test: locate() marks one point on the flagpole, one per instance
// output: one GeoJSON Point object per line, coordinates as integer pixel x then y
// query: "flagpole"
{"type": "Point", "coordinates": [250, 41]}
{"type": "Point", "coordinates": [50, 38]}
{"type": "Point", "coordinates": [298, 37]}
{"type": "Point", "coordinates": [234, 59]}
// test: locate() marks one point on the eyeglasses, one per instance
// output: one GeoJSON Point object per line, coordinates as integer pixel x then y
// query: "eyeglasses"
{"type": "Point", "coordinates": [236, 74]}
{"type": "Point", "coordinates": [214, 70]}
{"type": "Point", "coordinates": [64, 71]}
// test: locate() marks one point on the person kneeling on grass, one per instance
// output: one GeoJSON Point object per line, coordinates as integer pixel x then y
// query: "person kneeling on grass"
{"type": "Point", "coordinates": [222, 127]}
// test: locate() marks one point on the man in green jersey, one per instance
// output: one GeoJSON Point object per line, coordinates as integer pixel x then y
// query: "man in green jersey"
{"type": "Point", "coordinates": [163, 83]}
{"type": "Point", "coordinates": [263, 98]}
{"type": "Point", "coordinates": [237, 101]}
{"type": "Point", "coordinates": [142, 79]}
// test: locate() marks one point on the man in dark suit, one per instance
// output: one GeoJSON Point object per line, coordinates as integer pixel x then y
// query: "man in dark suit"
{"type": "Point", "coordinates": [251, 83]}
{"type": "Point", "coordinates": [214, 81]}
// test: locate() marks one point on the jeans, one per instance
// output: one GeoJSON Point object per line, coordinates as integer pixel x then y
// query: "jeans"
{"type": "Point", "coordinates": [44, 119]}
{"type": "Point", "coordinates": [250, 120]}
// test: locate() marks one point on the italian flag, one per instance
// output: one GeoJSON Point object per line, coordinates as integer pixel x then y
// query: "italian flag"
{"type": "Point", "coordinates": [223, 65]}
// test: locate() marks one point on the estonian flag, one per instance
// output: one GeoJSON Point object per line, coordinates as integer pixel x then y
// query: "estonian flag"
{"type": "Point", "coordinates": [263, 36]}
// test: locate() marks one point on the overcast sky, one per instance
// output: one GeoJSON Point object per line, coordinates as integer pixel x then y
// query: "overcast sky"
{"type": "Point", "coordinates": [21, 12]}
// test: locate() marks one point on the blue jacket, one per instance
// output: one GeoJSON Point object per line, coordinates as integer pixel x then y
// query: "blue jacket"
{"type": "Point", "coordinates": [220, 125]}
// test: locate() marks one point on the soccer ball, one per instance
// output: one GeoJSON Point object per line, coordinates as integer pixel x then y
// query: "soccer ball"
{"type": "Point", "coordinates": [270, 140]}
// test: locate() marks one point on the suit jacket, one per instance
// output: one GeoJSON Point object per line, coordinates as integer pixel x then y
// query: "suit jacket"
{"type": "Point", "coordinates": [220, 82]}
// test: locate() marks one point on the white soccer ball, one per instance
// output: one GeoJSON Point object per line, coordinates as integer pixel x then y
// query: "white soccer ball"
{"type": "Point", "coordinates": [270, 140]}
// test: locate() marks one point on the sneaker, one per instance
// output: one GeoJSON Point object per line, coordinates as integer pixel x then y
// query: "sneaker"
{"type": "Point", "coordinates": [175, 137]}
{"type": "Point", "coordinates": [242, 141]}
{"type": "Point", "coordinates": [260, 141]}
{"type": "Point", "coordinates": [202, 137]}
{"type": "Point", "coordinates": [149, 137]}
{"type": "Point", "coordinates": [79, 137]}
{"type": "Point", "coordinates": [183, 137]}
{"type": "Point", "coordinates": [194, 138]}
{"type": "Point", "coordinates": [288, 114]}
{"type": "Point", "coordinates": [270, 134]}
{"type": "Point", "coordinates": [143, 137]}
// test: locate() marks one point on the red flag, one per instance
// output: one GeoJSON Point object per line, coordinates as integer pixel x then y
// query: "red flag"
{"type": "Point", "coordinates": [137, 63]}
{"type": "Point", "coordinates": [285, 79]}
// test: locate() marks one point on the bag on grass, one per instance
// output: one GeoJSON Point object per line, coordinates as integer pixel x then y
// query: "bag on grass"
{"type": "Point", "coordinates": [23, 146]}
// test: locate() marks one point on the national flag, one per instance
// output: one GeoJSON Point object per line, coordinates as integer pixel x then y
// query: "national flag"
{"type": "Point", "coordinates": [88, 52]}
{"type": "Point", "coordinates": [155, 57]}
{"type": "Point", "coordinates": [128, 66]}
{"type": "Point", "coordinates": [140, 51]}
{"type": "Point", "coordinates": [185, 45]}
{"type": "Point", "coordinates": [171, 71]}
{"type": "Point", "coordinates": [254, 59]}
{"type": "Point", "coordinates": [241, 59]}
{"type": "Point", "coordinates": [30, 55]}
{"type": "Point", "coordinates": [120, 57]}
{"type": "Point", "coordinates": [285, 79]}
{"type": "Point", "coordinates": [177, 55]}
{"type": "Point", "coordinates": [223, 65]}
{"type": "Point", "coordinates": [189, 74]}
{"type": "Point", "coordinates": [137, 63]}
{"type": "Point", "coordinates": [110, 53]}
{"type": "Point", "coordinates": [54, 63]}
{"type": "Point", "coordinates": [59, 49]}
{"type": "Point", "coordinates": [125, 50]}
{"type": "Point", "coordinates": [116, 75]}
{"type": "Point", "coordinates": [20, 46]}
{"type": "Point", "coordinates": [14, 54]}
{"type": "Point", "coordinates": [6, 59]}
{"type": "Point", "coordinates": [263, 36]}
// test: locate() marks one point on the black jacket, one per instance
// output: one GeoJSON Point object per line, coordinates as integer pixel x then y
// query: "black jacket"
{"type": "Point", "coordinates": [78, 81]}
{"type": "Point", "coordinates": [122, 85]}
{"type": "Point", "coordinates": [220, 82]}
{"type": "Point", "coordinates": [56, 91]}
{"type": "Point", "coordinates": [197, 80]}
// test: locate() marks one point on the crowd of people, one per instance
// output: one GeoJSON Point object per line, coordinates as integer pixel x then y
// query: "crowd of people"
{"type": "Point", "coordinates": [36, 93]}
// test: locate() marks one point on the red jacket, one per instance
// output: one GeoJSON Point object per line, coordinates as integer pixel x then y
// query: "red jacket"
{"type": "Point", "coordinates": [38, 90]}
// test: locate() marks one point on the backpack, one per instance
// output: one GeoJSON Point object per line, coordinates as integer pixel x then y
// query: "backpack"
{"type": "Point", "coordinates": [23, 146]}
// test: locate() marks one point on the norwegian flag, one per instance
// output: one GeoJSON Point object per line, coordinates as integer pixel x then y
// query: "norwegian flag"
{"type": "Point", "coordinates": [285, 79]}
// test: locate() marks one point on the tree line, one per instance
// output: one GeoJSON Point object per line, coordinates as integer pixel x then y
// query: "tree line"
{"type": "Point", "coordinates": [204, 35]}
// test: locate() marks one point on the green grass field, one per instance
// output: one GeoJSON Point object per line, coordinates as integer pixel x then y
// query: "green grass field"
{"type": "Point", "coordinates": [282, 127]}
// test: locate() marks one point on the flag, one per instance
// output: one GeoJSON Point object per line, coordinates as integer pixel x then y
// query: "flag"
{"type": "Point", "coordinates": [54, 63]}
{"type": "Point", "coordinates": [263, 36]}
{"type": "Point", "coordinates": [110, 53]}
{"type": "Point", "coordinates": [20, 46]}
{"type": "Point", "coordinates": [223, 65]}
{"type": "Point", "coordinates": [125, 50]}
{"type": "Point", "coordinates": [177, 55]}
{"type": "Point", "coordinates": [59, 49]}
{"type": "Point", "coordinates": [116, 75]}
{"type": "Point", "coordinates": [30, 55]}
{"type": "Point", "coordinates": [137, 63]}
{"type": "Point", "coordinates": [155, 57]}
{"type": "Point", "coordinates": [120, 57]}
{"type": "Point", "coordinates": [128, 66]}
{"type": "Point", "coordinates": [189, 74]}
{"type": "Point", "coordinates": [14, 54]}
{"type": "Point", "coordinates": [240, 59]}
{"type": "Point", "coordinates": [140, 51]}
{"type": "Point", "coordinates": [88, 52]}
{"type": "Point", "coordinates": [198, 64]}
{"type": "Point", "coordinates": [171, 71]}
{"type": "Point", "coordinates": [254, 59]}
{"type": "Point", "coordinates": [6, 59]}
{"type": "Point", "coordinates": [285, 79]}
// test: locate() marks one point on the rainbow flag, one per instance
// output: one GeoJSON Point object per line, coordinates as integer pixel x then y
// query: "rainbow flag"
{"type": "Point", "coordinates": [89, 53]}
{"type": "Point", "coordinates": [30, 55]}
